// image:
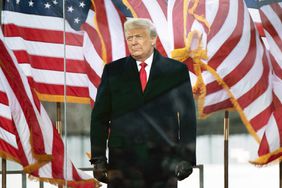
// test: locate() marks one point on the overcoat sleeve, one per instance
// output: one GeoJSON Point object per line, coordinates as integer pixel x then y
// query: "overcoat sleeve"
{"type": "Point", "coordinates": [187, 123]}
{"type": "Point", "coordinates": [100, 117]}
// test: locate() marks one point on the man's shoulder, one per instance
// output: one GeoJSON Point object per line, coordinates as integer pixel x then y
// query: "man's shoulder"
{"type": "Point", "coordinates": [168, 59]}
{"type": "Point", "coordinates": [121, 60]}
{"type": "Point", "coordinates": [117, 63]}
{"type": "Point", "coordinates": [172, 63]}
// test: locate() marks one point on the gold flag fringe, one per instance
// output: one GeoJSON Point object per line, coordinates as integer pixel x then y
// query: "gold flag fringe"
{"type": "Point", "coordinates": [74, 184]}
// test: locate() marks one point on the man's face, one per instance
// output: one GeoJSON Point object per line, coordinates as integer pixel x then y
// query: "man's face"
{"type": "Point", "coordinates": [139, 43]}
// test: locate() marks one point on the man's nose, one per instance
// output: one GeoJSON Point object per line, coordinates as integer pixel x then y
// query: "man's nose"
{"type": "Point", "coordinates": [134, 40]}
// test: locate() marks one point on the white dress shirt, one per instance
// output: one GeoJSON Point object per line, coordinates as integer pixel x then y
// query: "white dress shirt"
{"type": "Point", "coordinates": [149, 62]}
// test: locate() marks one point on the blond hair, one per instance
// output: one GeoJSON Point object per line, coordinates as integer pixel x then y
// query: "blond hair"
{"type": "Point", "coordinates": [140, 23]}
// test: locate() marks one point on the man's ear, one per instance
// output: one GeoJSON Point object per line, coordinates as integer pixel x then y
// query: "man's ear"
{"type": "Point", "coordinates": [153, 41]}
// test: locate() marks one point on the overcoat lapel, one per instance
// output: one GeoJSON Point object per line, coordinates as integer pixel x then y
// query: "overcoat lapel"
{"type": "Point", "coordinates": [132, 76]}
{"type": "Point", "coordinates": [155, 84]}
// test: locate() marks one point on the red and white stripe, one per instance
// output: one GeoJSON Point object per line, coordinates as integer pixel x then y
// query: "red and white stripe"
{"type": "Point", "coordinates": [27, 135]}
{"type": "Point", "coordinates": [179, 29]}
{"type": "Point", "coordinates": [271, 21]}
{"type": "Point", "coordinates": [238, 59]}
{"type": "Point", "coordinates": [10, 147]}
{"type": "Point", "coordinates": [103, 35]}
{"type": "Point", "coordinates": [237, 55]}
{"type": "Point", "coordinates": [237, 73]}
{"type": "Point", "coordinates": [37, 42]}
{"type": "Point", "coordinates": [109, 24]}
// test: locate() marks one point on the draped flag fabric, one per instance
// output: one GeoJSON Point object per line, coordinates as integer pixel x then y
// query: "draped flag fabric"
{"type": "Point", "coordinates": [234, 72]}
{"type": "Point", "coordinates": [268, 15]}
{"type": "Point", "coordinates": [27, 135]}
{"type": "Point", "coordinates": [109, 25]}
{"type": "Point", "coordinates": [103, 40]}
{"type": "Point", "coordinates": [34, 30]}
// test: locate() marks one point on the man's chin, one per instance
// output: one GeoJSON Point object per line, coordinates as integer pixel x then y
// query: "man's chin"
{"type": "Point", "coordinates": [137, 56]}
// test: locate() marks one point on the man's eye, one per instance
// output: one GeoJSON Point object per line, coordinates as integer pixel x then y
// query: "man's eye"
{"type": "Point", "coordinates": [138, 37]}
{"type": "Point", "coordinates": [129, 38]}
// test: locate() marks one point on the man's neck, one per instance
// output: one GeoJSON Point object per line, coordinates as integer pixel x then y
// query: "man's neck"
{"type": "Point", "coordinates": [148, 60]}
{"type": "Point", "coordinates": [143, 58]}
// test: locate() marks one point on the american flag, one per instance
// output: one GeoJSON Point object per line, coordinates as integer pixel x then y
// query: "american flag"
{"type": "Point", "coordinates": [237, 73]}
{"type": "Point", "coordinates": [34, 31]}
{"type": "Point", "coordinates": [268, 15]}
{"type": "Point", "coordinates": [27, 135]}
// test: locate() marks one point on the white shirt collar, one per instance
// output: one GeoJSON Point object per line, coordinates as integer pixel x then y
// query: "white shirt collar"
{"type": "Point", "coordinates": [148, 61]}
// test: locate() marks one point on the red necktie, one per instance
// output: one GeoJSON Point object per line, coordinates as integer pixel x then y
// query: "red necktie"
{"type": "Point", "coordinates": [143, 75]}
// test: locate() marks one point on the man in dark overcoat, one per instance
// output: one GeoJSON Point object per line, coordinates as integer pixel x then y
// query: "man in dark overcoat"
{"type": "Point", "coordinates": [144, 116]}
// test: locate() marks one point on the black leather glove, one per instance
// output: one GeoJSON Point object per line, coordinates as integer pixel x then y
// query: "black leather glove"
{"type": "Point", "coordinates": [183, 169]}
{"type": "Point", "coordinates": [100, 171]}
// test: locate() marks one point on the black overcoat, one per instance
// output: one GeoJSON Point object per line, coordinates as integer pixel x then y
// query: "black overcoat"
{"type": "Point", "coordinates": [142, 129]}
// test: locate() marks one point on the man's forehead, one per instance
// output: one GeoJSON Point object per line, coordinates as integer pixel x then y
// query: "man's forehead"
{"type": "Point", "coordinates": [136, 31]}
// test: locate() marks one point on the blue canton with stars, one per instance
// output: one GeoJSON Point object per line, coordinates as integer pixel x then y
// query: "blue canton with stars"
{"type": "Point", "coordinates": [259, 3]}
{"type": "Point", "coordinates": [75, 10]}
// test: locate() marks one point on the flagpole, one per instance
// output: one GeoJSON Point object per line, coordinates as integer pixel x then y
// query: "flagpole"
{"type": "Point", "coordinates": [4, 161]}
{"type": "Point", "coordinates": [59, 124]}
{"type": "Point", "coordinates": [65, 98]}
{"type": "Point", "coordinates": [4, 173]}
{"type": "Point", "coordinates": [59, 119]}
{"type": "Point", "coordinates": [1, 8]}
{"type": "Point", "coordinates": [226, 143]}
{"type": "Point", "coordinates": [280, 174]}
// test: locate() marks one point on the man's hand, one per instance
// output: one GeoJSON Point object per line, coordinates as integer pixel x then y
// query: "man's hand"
{"type": "Point", "coordinates": [100, 171]}
{"type": "Point", "coordinates": [183, 169]}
